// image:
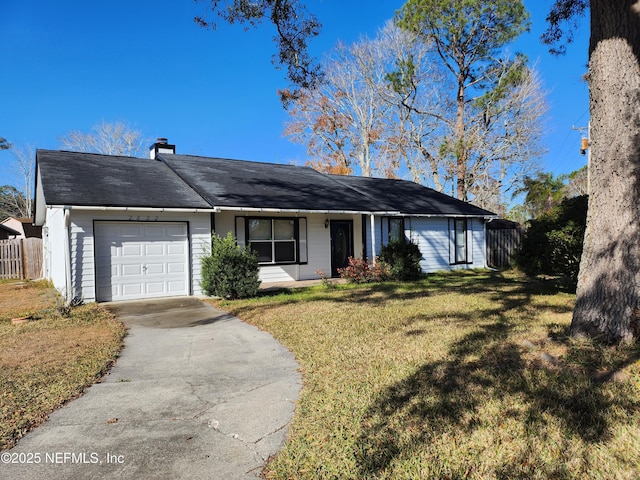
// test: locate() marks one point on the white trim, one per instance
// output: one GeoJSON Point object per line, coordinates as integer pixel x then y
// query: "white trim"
{"type": "Point", "coordinates": [445, 215]}
{"type": "Point", "coordinates": [136, 209]}
{"type": "Point", "coordinates": [300, 210]}
{"type": "Point", "coordinates": [269, 210]}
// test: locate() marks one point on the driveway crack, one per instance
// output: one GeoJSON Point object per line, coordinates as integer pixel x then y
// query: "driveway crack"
{"type": "Point", "coordinates": [251, 446]}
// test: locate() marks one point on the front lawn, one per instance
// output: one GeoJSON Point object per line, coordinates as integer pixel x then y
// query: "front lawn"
{"type": "Point", "coordinates": [462, 375]}
{"type": "Point", "coordinates": [50, 359]}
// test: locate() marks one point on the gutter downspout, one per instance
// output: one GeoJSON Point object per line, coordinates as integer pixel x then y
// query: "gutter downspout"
{"type": "Point", "coordinates": [67, 254]}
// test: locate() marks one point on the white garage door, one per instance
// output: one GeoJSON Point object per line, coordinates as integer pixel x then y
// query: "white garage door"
{"type": "Point", "coordinates": [140, 260]}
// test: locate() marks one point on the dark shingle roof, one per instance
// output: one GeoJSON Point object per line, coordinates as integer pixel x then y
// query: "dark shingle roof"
{"type": "Point", "coordinates": [239, 183]}
{"type": "Point", "coordinates": [410, 198]}
{"type": "Point", "coordinates": [186, 181]}
{"type": "Point", "coordinates": [73, 178]}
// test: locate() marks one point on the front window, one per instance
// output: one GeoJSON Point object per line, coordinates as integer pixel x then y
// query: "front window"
{"type": "Point", "coordinates": [396, 229]}
{"type": "Point", "coordinates": [274, 239]}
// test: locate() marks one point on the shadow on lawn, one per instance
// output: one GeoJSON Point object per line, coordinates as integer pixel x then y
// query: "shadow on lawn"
{"type": "Point", "coordinates": [373, 293]}
{"type": "Point", "coordinates": [446, 396]}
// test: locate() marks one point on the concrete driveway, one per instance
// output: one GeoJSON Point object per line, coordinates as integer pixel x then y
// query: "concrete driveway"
{"type": "Point", "coordinates": [196, 394]}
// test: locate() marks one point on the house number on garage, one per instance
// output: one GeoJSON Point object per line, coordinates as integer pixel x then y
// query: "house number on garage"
{"type": "Point", "coordinates": [148, 218]}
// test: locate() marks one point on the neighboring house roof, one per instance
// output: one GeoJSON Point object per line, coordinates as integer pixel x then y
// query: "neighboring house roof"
{"type": "Point", "coordinates": [23, 226]}
{"type": "Point", "coordinates": [6, 232]}
{"type": "Point", "coordinates": [186, 181]}
{"type": "Point", "coordinates": [83, 179]}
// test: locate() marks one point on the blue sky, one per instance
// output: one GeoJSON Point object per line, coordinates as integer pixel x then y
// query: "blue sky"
{"type": "Point", "coordinates": [68, 65]}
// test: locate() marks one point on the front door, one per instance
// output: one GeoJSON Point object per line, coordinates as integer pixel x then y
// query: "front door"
{"type": "Point", "coordinates": [341, 244]}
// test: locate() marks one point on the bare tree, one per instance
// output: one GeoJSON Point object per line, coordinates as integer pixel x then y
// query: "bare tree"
{"type": "Point", "coordinates": [318, 123]}
{"type": "Point", "coordinates": [503, 130]}
{"type": "Point", "coordinates": [416, 90]}
{"type": "Point", "coordinates": [341, 120]}
{"type": "Point", "coordinates": [115, 138]}
{"type": "Point", "coordinates": [504, 134]}
{"type": "Point", "coordinates": [24, 166]}
{"type": "Point", "coordinates": [578, 183]}
{"type": "Point", "coordinates": [11, 202]}
{"type": "Point", "coordinates": [468, 35]}
{"type": "Point", "coordinates": [391, 99]}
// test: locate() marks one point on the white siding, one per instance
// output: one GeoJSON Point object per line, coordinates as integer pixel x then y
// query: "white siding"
{"type": "Point", "coordinates": [279, 273]}
{"type": "Point", "coordinates": [432, 237]}
{"type": "Point", "coordinates": [82, 244]}
{"type": "Point", "coordinates": [479, 243]}
{"type": "Point", "coordinates": [319, 248]}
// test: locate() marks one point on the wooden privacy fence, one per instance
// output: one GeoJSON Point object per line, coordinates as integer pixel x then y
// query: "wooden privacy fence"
{"type": "Point", "coordinates": [502, 245]}
{"type": "Point", "coordinates": [21, 258]}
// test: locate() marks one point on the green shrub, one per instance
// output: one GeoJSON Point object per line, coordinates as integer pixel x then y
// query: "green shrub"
{"type": "Point", "coordinates": [565, 251]}
{"type": "Point", "coordinates": [403, 257]}
{"type": "Point", "coordinates": [230, 271]}
{"type": "Point", "coordinates": [552, 245]}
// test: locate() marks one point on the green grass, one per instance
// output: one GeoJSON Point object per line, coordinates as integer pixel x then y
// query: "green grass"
{"type": "Point", "coordinates": [463, 375]}
{"type": "Point", "coordinates": [51, 359]}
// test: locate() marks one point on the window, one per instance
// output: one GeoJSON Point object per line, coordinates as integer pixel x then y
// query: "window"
{"type": "Point", "coordinates": [460, 240]}
{"type": "Point", "coordinates": [396, 229]}
{"type": "Point", "coordinates": [277, 240]}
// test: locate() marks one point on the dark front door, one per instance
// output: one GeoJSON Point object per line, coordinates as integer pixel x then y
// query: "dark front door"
{"type": "Point", "coordinates": [341, 244]}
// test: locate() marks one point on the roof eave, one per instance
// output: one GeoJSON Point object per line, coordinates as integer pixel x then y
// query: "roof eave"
{"type": "Point", "coordinates": [136, 209]}
{"type": "Point", "coordinates": [385, 213]}
{"type": "Point", "coordinates": [303, 210]}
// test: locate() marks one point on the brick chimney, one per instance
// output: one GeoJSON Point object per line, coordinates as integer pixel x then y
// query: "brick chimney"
{"type": "Point", "coordinates": [161, 146]}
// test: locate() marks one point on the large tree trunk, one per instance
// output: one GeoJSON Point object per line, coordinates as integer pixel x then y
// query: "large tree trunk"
{"type": "Point", "coordinates": [608, 295]}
